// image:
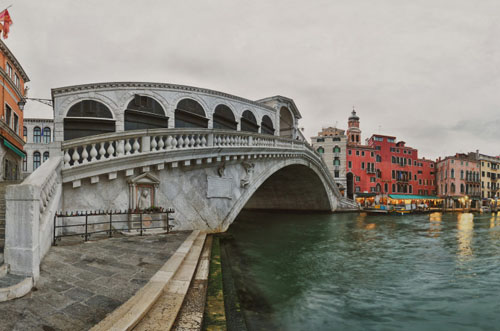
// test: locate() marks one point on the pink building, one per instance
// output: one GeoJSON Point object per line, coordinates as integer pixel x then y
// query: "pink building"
{"type": "Point", "coordinates": [458, 180]}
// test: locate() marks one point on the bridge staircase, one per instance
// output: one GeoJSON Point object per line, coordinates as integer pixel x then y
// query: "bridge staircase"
{"type": "Point", "coordinates": [11, 286]}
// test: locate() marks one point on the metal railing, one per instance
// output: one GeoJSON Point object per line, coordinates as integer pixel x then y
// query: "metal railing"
{"type": "Point", "coordinates": [88, 227]}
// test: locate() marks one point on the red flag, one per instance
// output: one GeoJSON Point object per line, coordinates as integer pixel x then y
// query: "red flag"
{"type": "Point", "coordinates": [5, 23]}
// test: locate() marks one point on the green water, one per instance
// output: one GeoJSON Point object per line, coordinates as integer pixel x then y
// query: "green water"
{"type": "Point", "coordinates": [363, 272]}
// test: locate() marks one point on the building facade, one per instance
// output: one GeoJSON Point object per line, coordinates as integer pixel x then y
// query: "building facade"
{"type": "Point", "coordinates": [361, 173]}
{"type": "Point", "coordinates": [458, 180]}
{"type": "Point", "coordinates": [12, 99]}
{"type": "Point", "coordinates": [331, 143]}
{"type": "Point", "coordinates": [490, 174]}
{"type": "Point", "coordinates": [38, 135]}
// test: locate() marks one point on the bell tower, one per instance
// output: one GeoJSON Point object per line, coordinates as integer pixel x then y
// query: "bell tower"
{"type": "Point", "coordinates": [353, 131]}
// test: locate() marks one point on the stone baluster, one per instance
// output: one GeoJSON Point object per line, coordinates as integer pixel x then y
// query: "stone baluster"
{"type": "Point", "coordinates": [120, 148]}
{"type": "Point", "coordinates": [85, 155]}
{"type": "Point", "coordinates": [102, 152]}
{"type": "Point", "coordinates": [180, 141]}
{"type": "Point", "coordinates": [128, 147]}
{"type": "Point", "coordinates": [111, 150]}
{"type": "Point", "coordinates": [153, 144]}
{"type": "Point", "coordinates": [66, 159]}
{"type": "Point", "coordinates": [161, 144]}
{"type": "Point", "coordinates": [75, 156]}
{"type": "Point", "coordinates": [170, 142]}
{"type": "Point", "coordinates": [193, 141]}
{"type": "Point", "coordinates": [93, 153]}
{"type": "Point", "coordinates": [136, 145]}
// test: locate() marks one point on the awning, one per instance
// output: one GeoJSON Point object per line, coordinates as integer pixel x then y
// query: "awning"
{"type": "Point", "coordinates": [14, 148]}
{"type": "Point", "coordinates": [412, 197]}
{"type": "Point", "coordinates": [365, 195]}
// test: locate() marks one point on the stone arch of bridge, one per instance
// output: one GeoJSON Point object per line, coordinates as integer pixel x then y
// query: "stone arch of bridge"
{"type": "Point", "coordinates": [293, 185]}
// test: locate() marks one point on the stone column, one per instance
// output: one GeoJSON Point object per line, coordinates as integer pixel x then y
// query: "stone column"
{"type": "Point", "coordinates": [22, 247]}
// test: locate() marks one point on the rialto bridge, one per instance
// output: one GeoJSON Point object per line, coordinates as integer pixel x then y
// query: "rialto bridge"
{"type": "Point", "coordinates": [206, 154]}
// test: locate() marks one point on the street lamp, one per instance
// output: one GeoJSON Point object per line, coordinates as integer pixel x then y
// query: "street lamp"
{"type": "Point", "coordinates": [21, 104]}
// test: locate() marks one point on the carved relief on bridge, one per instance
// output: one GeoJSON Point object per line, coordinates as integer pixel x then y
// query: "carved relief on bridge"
{"type": "Point", "coordinates": [247, 176]}
{"type": "Point", "coordinates": [143, 191]}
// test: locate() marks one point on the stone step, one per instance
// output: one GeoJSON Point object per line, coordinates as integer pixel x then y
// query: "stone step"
{"type": "Point", "coordinates": [133, 310]}
{"type": "Point", "coordinates": [163, 313]}
{"type": "Point", "coordinates": [13, 286]}
{"type": "Point", "coordinates": [190, 316]}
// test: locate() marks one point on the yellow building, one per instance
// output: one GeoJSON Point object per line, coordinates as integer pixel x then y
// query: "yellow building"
{"type": "Point", "coordinates": [490, 175]}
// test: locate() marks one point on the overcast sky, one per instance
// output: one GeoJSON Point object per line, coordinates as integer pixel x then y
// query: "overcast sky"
{"type": "Point", "coordinates": [425, 71]}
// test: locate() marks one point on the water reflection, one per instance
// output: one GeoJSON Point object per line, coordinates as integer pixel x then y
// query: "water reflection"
{"type": "Point", "coordinates": [435, 224]}
{"type": "Point", "coordinates": [465, 227]}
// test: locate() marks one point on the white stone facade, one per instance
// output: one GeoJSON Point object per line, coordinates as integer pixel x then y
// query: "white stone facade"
{"type": "Point", "coordinates": [116, 96]}
{"type": "Point", "coordinates": [333, 144]}
{"type": "Point", "coordinates": [43, 145]}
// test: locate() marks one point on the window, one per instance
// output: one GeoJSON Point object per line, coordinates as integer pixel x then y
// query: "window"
{"type": "Point", "coordinates": [349, 152]}
{"type": "Point", "coordinates": [45, 156]}
{"type": "Point", "coordinates": [393, 174]}
{"type": "Point", "coordinates": [461, 174]}
{"type": "Point", "coordinates": [363, 153]}
{"type": "Point", "coordinates": [379, 158]}
{"type": "Point", "coordinates": [25, 163]}
{"type": "Point", "coordinates": [17, 81]}
{"type": "Point", "coordinates": [25, 134]}
{"type": "Point", "coordinates": [390, 140]}
{"type": "Point", "coordinates": [349, 164]}
{"type": "Point", "coordinates": [336, 161]}
{"type": "Point", "coordinates": [378, 138]}
{"type": "Point", "coordinates": [452, 173]}
{"type": "Point", "coordinates": [9, 70]}
{"type": "Point", "coordinates": [358, 189]}
{"type": "Point", "coordinates": [16, 123]}
{"type": "Point", "coordinates": [371, 154]}
{"type": "Point", "coordinates": [37, 135]}
{"type": "Point", "coordinates": [46, 135]}
{"type": "Point", "coordinates": [336, 174]}
{"type": "Point", "coordinates": [377, 148]}
{"type": "Point", "coordinates": [320, 150]}
{"type": "Point", "coordinates": [386, 188]}
{"type": "Point", "coordinates": [357, 153]}
{"type": "Point", "coordinates": [335, 139]}
{"type": "Point", "coordinates": [393, 187]}
{"type": "Point", "coordinates": [36, 160]}
{"type": "Point", "coordinates": [8, 115]}
{"type": "Point", "coordinates": [320, 140]}
{"type": "Point", "coordinates": [362, 165]}
{"type": "Point", "coordinates": [372, 179]}
{"type": "Point", "coordinates": [336, 149]}
{"type": "Point", "coordinates": [358, 179]}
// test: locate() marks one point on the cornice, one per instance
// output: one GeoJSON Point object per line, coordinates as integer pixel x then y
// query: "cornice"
{"type": "Point", "coordinates": [14, 61]}
{"type": "Point", "coordinates": [150, 85]}
{"type": "Point", "coordinates": [12, 85]}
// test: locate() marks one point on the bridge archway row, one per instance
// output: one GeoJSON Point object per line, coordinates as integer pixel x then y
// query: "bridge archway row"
{"type": "Point", "coordinates": [139, 110]}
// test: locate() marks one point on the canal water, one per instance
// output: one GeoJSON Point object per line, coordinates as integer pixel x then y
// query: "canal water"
{"type": "Point", "coordinates": [364, 272]}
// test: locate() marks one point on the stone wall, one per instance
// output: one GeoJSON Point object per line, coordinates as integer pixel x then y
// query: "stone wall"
{"type": "Point", "coordinates": [209, 197]}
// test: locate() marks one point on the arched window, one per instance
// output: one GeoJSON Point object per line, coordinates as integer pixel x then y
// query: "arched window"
{"type": "Point", "coordinates": [452, 173]}
{"type": "Point", "coordinates": [190, 114]}
{"type": "Point", "coordinates": [336, 161]}
{"type": "Point", "coordinates": [36, 160]}
{"type": "Point", "coordinates": [37, 135]}
{"type": "Point", "coordinates": [224, 118]}
{"type": "Point", "coordinates": [452, 188]}
{"type": "Point", "coordinates": [88, 118]}
{"type": "Point", "coordinates": [144, 113]}
{"type": "Point", "coordinates": [320, 150]}
{"type": "Point", "coordinates": [45, 156]}
{"type": "Point", "coordinates": [336, 149]}
{"type": "Point", "coordinates": [461, 174]}
{"type": "Point", "coordinates": [25, 163]}
{"type": "Point", "coordinates": [248, 122]}
{"type": "Point", "coordinates": [461, 188]}
{"type": "Point", "coordinates": [46, 135]}
{"type": "Point", "coordinates": [25, 134]}
{"type": "Point", "coordinates": [267, 125]}
{"type": "Point", "coordinates": [286, 123]}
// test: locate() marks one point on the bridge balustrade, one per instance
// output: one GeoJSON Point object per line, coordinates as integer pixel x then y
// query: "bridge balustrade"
{"type": "Point", "coordinates": [103, 147]}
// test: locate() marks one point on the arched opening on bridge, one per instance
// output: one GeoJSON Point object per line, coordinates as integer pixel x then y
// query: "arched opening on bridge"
{"type": "Point", "coordinates": [224, 118]}
{"type": "Point", "coordinates": [267, 125]}
{"type": "Point", "coordinates": [144, 113]}
{"type": "Point", "coordinates": [286, 123]}
{"type": "Point", "coordinates": [88, 118]}
{"type": "Point", "coordinates": [190, 114]}
{"type": "Point", "coordinates": [350, 185]}
{"type": "Point", "coordinates": [294, 187]}
{"type": "Point", "coordinates": [249, 122]}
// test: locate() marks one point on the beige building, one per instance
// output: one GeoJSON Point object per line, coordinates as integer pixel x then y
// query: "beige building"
{"type": "Point", "coordinates": [490, 173]}
{"type": "Point", "coordinates": [331, 143]}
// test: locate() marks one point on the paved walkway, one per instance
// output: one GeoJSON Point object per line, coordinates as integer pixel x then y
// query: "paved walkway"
{"type": "Point", "coordinates": [81, 283]}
